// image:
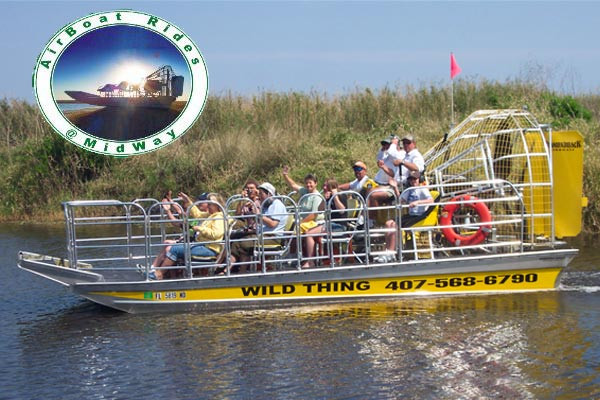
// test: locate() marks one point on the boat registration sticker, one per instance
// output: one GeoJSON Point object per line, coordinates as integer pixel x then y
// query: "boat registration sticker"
{"type": "Point", "coordinates": [121, 83]}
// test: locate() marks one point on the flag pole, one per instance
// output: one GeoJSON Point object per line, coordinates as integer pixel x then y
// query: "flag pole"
{"type": "Point", "coordinates": [452, 103]}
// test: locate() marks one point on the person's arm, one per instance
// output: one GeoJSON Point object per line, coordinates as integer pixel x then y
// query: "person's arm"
{"type": "Point", "coordinates": [194, 211]}
{"type": "Point", "coordinates": [270, 221]}
{"type": "Point", "coordinates": [418, 163]}
{"type": "Point", "coordinates": [394, 185]}
{"type": "Point", "coordinates": [408, 165]}
{"type": "Point", "coordinates": [290, 182]}
{"type": "Point", "coordinates": [385, 168]}
{"type": "Point", "coordinates": [339, 205]}
{"type": "Point", "coordinates": [424, 198]}
{"type": "Point", "coordinates": [421, 202]}
{"type": "Point", "coordinates": [344, 186]}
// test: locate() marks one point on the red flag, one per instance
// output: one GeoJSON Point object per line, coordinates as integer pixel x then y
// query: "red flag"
{"type": "Point", "coordinates": [454, 68]}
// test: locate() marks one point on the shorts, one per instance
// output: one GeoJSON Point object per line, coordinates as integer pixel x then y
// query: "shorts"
{"type": "Point", "coordinates": [336, 227]}
{"type": "Point", "coordinates": [199, 250]}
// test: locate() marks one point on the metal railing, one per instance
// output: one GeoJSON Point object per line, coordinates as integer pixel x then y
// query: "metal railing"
{"type": "Point", "coordinates": [116, 236]}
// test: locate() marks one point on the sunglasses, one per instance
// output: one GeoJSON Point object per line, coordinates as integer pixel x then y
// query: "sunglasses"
{"type": "Point", "coordinates": [356, 169]}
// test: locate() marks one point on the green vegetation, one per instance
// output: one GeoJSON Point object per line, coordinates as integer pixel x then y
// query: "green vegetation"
{"type": "Point", "coordinates": [240, 137]}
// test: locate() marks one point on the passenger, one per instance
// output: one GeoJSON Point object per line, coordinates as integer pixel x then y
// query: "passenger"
{"type": "Point", "coordinates": [413, 161]}
{"type": "Point", "coordinates": [338, 205]}
{"type": "Point", "coordinates": [362, 184]}
{"type": "Point", "coordinates": [309, 207]}
{"type": "Point", "coordinates": [248, 209]}
{"type": "Point", "coordinates": [212, 229]}
{"type": "Point", "coordinates": [168, 204]}
{"type": "Point", "coordinates": [388, 153]}
{"type": "Point", "coordinates": [388, 172]}
{"type": "Point", "coordinates": [416, 200]}
{"type": "Point", "coordinates": [274, 218]}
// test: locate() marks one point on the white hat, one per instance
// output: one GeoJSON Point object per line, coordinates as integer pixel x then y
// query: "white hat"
{"type": "Point", "coordinates": [267, 187]}
{"type": "Point", "coordinates": [408, 138]}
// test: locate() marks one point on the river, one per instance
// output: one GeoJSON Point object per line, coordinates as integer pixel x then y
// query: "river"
{"type": "Point", "coordinates": [542, 345]}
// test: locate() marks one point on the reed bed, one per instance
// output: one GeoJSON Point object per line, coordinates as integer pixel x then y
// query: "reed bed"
{"type": "Point", "coordinates": [241, 137]}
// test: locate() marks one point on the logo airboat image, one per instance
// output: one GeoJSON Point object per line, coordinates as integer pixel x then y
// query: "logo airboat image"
{"type": "Point", "coordinates": [159, 90]}
{"type": "Point", "coordinates": [121, 82]}
{"type": "Point", "coordinates": [496, 225]}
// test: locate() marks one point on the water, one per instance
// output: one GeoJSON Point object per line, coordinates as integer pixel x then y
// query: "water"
{"type": "Point", "coordinates": [75, 106]}
{"type": "Point", "coordinates": [521, 346]}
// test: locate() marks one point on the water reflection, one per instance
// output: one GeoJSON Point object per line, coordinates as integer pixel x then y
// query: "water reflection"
{"type": "Point", "coordinates": [518, 346]}
{"type": "Point", "coordinates": [534, 345]}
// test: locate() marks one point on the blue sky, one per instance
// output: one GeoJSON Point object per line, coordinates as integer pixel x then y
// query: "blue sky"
{"type": "Point", "coordinates": [114, 54]}
{"type": "Point", "coordinates": [336, 47]}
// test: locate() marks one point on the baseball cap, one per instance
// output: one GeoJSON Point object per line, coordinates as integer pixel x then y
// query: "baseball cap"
{"type": "Point", "coordinates": [414, 174]}
{"type": "Point", "coordinates": [360, 164]}
{"type": "Point", "coordinates": [267, 187]}
{"type": "Point", "coordinates": [408, 138]}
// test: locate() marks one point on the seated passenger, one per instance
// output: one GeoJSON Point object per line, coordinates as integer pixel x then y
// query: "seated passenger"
{"type": "Point", "coordinates": [274, 217]}
{"type": "Point", "coordinates": [362, 184]}
{"type": "Point", "coordinates": [309, 207]}
{"type": "Point", "coordinates": [168, 204]}
{"type": "Point", "coordinates": [247, 209]}
{"type": "Point", "coordinates": [212, 229]}
{"type": "Point", "coordinates": [416, 197]}
{"type": "Point", "coordinates": [338, 205]}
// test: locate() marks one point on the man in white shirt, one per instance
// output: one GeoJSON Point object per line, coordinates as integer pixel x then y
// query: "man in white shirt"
{"type": "Point", "coordinates": [388, 153]}
{"type": "Point", "coordinates": [413, 161]}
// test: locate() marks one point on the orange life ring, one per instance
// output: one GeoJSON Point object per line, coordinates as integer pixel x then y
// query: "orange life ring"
{"type": "Point", "coordinates": [484, 216]}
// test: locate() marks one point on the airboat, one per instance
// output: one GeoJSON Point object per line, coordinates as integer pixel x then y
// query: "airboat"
{"type": "Point", "coordinates": [497, 224]}
{"type": "Point", "coordinates": [161, 88]}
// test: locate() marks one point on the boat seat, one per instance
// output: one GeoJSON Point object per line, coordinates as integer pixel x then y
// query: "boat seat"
{"type": "Point", "coordinates": [421, 240]}
{"type": "Point", "coordinates": [342, 240]}
{"type": "Point", "coordinates": [276, 247]}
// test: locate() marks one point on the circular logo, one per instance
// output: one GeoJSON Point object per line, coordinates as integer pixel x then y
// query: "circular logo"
{"type": "Point", "coordinates": [121, 82]}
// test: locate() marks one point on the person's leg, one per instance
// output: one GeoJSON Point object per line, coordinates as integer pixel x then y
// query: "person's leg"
{"type": "Point", "coordinates": [161, 256]}
{"type": "Point", "coordinates": [309, 245]}
{"type": "Point", "coordinates": [390, 237]}
{"type": "Point", "coordinates": [376, 199]}
{"type": "Point", "coordinates": [175, 252]}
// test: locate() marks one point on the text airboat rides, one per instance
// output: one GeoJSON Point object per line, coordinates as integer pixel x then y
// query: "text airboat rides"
{"type": "Point", "coordinates": [184, 44]}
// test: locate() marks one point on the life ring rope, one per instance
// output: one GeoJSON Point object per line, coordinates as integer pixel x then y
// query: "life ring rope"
{"type": "Point", "coordinates": [448, 213]}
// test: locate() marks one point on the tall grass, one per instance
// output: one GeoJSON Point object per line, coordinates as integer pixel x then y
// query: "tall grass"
{"type": "Point", "coordinates": [238, 137]}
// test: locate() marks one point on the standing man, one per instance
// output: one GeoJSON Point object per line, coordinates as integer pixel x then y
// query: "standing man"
{"type": "Point", "coordinates": [413, 161]}
{"type": "Point", "coordinates": [388, 153]}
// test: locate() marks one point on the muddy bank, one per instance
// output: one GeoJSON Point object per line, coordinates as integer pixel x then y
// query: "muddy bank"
{"type": "Point", "coordinates": [116, 123]}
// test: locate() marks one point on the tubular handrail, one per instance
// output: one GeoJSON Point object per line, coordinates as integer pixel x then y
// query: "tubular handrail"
{"type": "Point", "coordinates": [128, 232]}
